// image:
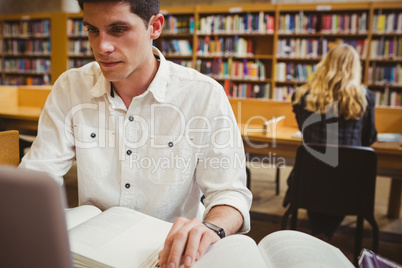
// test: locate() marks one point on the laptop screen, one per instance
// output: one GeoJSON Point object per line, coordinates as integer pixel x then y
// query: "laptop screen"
{"type": "Point", "coordinates": [33, 231]}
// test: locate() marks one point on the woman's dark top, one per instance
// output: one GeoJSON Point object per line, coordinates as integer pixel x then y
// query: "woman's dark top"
{"type": "Point", "coordinates": [361, 132]}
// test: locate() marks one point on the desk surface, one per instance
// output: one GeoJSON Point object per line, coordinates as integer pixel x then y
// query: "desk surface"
{"type": "Point", "coordinates": [389, 154]}
{"type": "Point", "coordinates": [21, 112]}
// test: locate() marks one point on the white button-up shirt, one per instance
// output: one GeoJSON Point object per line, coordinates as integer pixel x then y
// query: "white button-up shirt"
{"type": "Point", "coordinates": [176, 142]}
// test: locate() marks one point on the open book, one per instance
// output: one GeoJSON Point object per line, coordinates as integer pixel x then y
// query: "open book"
{"type": "Point", "coordinates": [121, 237]}
{"type": "Point", "coordinates": [117, 237]}
{"type": "Point", "coordinates": [284, 249]}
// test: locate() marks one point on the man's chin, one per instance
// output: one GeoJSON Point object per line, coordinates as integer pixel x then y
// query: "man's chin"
{"type": "Point", "coordinates": [112, 76]}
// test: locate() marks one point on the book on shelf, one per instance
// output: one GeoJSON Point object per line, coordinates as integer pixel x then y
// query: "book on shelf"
{"type": "Point", "coordinates": [283, 93]}
{"type": "Point", "coordinates": [178, 24]}
{"type": "Point", "coordinates": [249, 90]}
{"type": "Point", "coordinates": [293, 72]}
{"type": "Point", "coordinates": [180, 47]}
{"type": "Point", "coordinates": [388, 97]}
{"type": "Point", "coordinates": [387, 23]}
{"type": "Point", "coordinates": [344, 23]}
{"type": "Point", "coordinates": [386, 48]}
{"type": "Point", "coordinates": [236, 23]}
{"type": "Point", "coordinates": [385, 75]}
{"type": "Point", "coordinates": [121, 237]}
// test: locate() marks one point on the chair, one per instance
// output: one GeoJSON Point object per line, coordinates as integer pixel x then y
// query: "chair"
{"type": "Point", "coordinates": [346, 188]}
{"type": "Point", "coordinates": [9, 148]}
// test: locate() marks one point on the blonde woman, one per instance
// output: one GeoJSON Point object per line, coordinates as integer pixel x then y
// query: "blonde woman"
{"type": "Point", "coordinates": [335, 92]}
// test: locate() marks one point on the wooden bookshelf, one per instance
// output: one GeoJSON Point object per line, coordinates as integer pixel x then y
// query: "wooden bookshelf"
{"type": "Point", "coordinates": [384, 63]}
{"type": "Point", "coordinates": [26, 49]}
{"type": "Point", "coordinates": [270, 61]}
{"type": "Point", "coordinates": [177, 38]}
{"type": "Point", "coordinates": [79, 50]}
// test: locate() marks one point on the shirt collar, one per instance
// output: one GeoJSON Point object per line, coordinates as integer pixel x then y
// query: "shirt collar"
{"type": "Point", "coordinates": [157, 86]}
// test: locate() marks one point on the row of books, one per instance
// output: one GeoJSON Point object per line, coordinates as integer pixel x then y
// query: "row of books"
{"type": "Point", "coordinates": [293, 72]}
{"type": "Point", "coordinates": [385, 75]}
{"type": "Point", "coordinates": [239, 23]}
{"type": "Point", "coordinates": [27, 65]}
{"type": "Point", "coordinates": [344, 23]}
{"type": "Point", "coordinates": [283, 93]}
{"type": "Point", "coordinates": [185, 63]}
{"type": "Point", "coordinates": [386, 49]}
{"type": "Point", "coordinates": [225, 46]}
{"type": "Point", "coordinates": [26, 28]}
{"type": "Point", "coordinates": [297, 23]}
{"type": "Point", "coordinates": [76, 28]}
{"type": "Point", "coordinates": [79, 47]}
{"type": "Point", "coordinates": [387, 23]}
{"type": "Point", "coordinates": [176, 47]}
{"type": "Point", "coordinates": [247, 90]}
{"type": "Point", "coordinates": [27, 46]}
{"type": "Point", "coordinates": [232, 69]}
{"type": "Point", "coordinates": [388, 98]}
{"type": "Point", "coordinates": [26, 80]}
{"type": "Point", "coordinates": [301, 23]}
{"type": "Point", "coordinates": [312, 48]}
{"type": "Point", "coordinates": [76, 63]}
{"type": "Point", "coordinates": [181, 24]}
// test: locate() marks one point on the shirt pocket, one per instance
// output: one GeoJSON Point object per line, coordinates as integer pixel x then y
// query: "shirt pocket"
{"type": "Point", "coordinates": [167, 160]}
{"type": "Point", "coordinates": [94, 154]}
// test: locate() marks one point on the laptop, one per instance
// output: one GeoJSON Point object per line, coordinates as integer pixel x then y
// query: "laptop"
{"type": "Point", "coordinates": [33, 230]}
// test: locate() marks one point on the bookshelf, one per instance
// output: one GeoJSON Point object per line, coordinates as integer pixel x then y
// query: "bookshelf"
{"type": "Point", "coordinates": [261, 51]}
{"type": "Point", "coordinates": [177, 38]}
{"type": "Point", "coordinates": [26, 50]}
{"type": "Point", "coordinates": [31, 45]}
{"type": "Point", "coordinates": [307, 32]}
{"type": "Point", "coordinates": [384, 69]}
{"type": "Point", "coordinates": [234, 45]}
{"type": "Point", "coordinates": [79, 50]}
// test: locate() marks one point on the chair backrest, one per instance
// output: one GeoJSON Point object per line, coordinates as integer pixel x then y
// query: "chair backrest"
{"type": "Point", "coordinates": [347, 188]}
{"type": "Point", "coordinates": [9, 148]}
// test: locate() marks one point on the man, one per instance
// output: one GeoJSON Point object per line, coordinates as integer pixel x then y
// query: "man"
{"type": "Point", "coordinates": [146, 133]}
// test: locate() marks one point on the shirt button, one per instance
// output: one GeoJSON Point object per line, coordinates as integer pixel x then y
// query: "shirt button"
{"type": "Point", "coordinates": [131, 118]}
{"type": "Point", "coordinates": [127, 185]}
{"type": "Point", "coordinates": [93, 135]}
{"type": "Point", "coordinates": [170, 144]}
{"type": "Point", "coordinates": [129, 152]}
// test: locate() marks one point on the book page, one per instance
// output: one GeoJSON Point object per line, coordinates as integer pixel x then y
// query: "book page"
{"type": "Point", "coordinates": [235, 251]}
{"type": "Point", "coordinates": [77, 215]}
{"type": "Point", "coordinates": [289, 248]}
{"type": "Point", "coordinates": [118, 237]}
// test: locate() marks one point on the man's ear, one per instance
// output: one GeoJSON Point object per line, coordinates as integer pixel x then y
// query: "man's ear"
{"type": "Point", "coordinates": [156, 24]}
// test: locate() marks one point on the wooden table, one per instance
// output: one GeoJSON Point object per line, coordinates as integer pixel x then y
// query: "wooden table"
{"type": "Point", "coordinates": [20, 107]}
{"type": "Point", "coordinates": [281, 144]}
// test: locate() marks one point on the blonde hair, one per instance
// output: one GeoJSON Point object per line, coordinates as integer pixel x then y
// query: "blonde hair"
{"type": "Point", "coordinates": [337, 78]}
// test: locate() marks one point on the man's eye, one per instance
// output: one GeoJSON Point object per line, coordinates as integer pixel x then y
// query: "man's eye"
{"type": "Point", "coordinates": [92, 30]}
{"type": "Point", "coordinates": [118, 30]}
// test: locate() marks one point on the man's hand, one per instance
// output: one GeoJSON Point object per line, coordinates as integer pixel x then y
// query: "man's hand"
{"type": "Point", "coordinates": [187, 238]}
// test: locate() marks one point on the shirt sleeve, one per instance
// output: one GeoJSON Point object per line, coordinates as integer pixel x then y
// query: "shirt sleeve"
{"type": "Point", "coordinates": [369, 131]}
{"type": "Point", "coordinates": [221, 170]}
{"type": "Point", "coordinates": [52, 151]}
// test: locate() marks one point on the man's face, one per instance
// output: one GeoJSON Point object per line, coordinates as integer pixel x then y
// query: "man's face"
{"type": "Point", "coordinates": [119, 39]}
